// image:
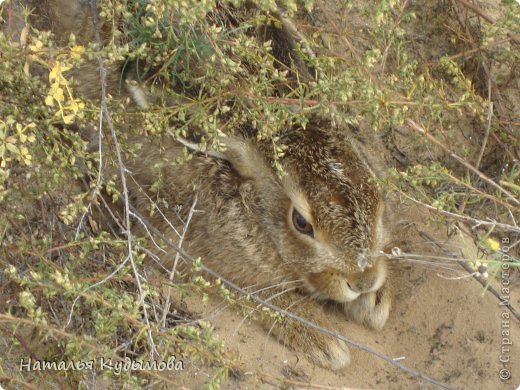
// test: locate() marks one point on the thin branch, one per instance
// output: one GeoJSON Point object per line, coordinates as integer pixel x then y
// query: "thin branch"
{"type": "Point", "coordinates": [488, 127]}
{"type": "Point", "coordinates": [92, 286]}
{"type": "Point", "coordinates": [122, 172]}
{"type": "Point", "coordinates": [484, 143]}
{"type": "Point", "coordinates": [293, 31]}
{"type": "Point", "coordinates": [340, 34]}
{"type": "Point", "coordinates": [95, 192]}
{"type": "Point", "coordinates": [477, 10]}
{"type": "Point", "coordinates": [147, 231]}
{"type": "Point", "coordinates": [459, 159]}
{"type": "Point", "coordinates": [467, 53]}
{"type": "Point", "coordinates": [465, 218]}
{"type": "Point", "coordinates": [155, 205]}
{"type": "Point", "coordinates": [166, 308]}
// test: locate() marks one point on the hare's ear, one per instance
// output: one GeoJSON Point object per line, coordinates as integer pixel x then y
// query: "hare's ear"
{"type": "Point", "coordinates": [244, 158]}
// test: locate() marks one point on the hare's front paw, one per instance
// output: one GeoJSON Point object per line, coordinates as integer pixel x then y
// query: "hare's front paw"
{"type": "Point", "coordinates": [329, 352]}
{"type": "Point", "coordinates": [370, 309]}
{"type": "Point", "coordinates": [324, 350]}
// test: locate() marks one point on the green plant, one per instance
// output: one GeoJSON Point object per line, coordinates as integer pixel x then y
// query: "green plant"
{"type": "Point", "coordinates": [66, 278]}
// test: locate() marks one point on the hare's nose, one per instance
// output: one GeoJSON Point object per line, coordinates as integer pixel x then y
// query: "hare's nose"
{"type": "Point", "coordinates": [369, 279]}
{"type": "Point", "coordinates": [366, 259]}
{"type": "Point", "coordinates": [352, 287]}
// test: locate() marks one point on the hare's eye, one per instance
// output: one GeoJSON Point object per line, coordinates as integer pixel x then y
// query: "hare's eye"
{"type": "Point", "coordinates": [301, 224]}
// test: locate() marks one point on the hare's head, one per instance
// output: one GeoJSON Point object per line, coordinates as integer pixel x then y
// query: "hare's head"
{"type": "Point", "coordinates": [323, 216]}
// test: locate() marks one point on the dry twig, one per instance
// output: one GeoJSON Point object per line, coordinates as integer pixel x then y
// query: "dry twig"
{"type": "Point", "coordinates": [465, 218]}
{"type": "Point", "coordinates": [122, 173]}
{"type": "Point", "coordinates": [459, 159]}
{"type": "Point", "coordinates": [477, 10]}
{"type": "Point", "coordinates": [166, 308]}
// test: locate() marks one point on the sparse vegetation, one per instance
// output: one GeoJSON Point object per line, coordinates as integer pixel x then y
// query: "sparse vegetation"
{"type": "Point", "coordinates": [69, 291]}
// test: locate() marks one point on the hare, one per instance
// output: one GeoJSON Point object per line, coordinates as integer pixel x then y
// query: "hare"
{"type": "Point", "coordinates": [315, 231]}
{"type": "Point", "coordinates": [309, 237]}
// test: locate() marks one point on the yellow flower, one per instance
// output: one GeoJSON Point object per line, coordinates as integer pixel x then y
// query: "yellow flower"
{"type": "Point", "coordinates": [77, 50]}
{"type": "Point", "coordinates": [492, 244]}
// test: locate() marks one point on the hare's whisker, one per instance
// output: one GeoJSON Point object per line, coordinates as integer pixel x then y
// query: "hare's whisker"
{"type": "Point", "coordinates": [417, 258]}
{"type": "Point", "coordinates": [423, 261]}
{"type": "Point", "coordinates": [447, 259]}
{"type": "Point", "coordinates": [442, 271]}
{"type": "Point", "coordinates": [428, 267]}
{"type": "Point", "coordinates": [442, 245]}
{"type": "Point", "coordinates": [220, 307]}
{"type": "Point", "coordinates": [431, 264]}
{"type": "Point", "coordinates": [278, 294]}
{"type": "Point", "coordinates": [462, 276]}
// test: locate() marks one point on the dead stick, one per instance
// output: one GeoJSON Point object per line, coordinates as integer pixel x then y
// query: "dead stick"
{"type": "Point", "coordinates": [461, 217]}
{"type": "Point", "coordinates": [477, 10]}
{"type": "Point", "coordinates": [421, 130]}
